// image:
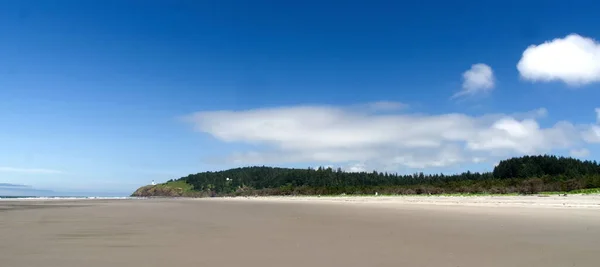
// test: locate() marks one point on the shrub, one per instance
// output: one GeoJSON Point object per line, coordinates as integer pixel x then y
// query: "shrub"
{"type": "Point", "coordinates": [572, 184]}
{"type": "Point", "coordinates": [531, 186]}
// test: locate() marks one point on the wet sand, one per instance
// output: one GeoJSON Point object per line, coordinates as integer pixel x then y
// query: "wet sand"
{"type": "Point", "coordinates": [295, 232]}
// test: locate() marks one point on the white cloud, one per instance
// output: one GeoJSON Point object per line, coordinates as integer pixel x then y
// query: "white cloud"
{"type": "Point", "coordinates": [592, 133]}
{"type": "Point", "coordinates": [327, 134]}
{"type": "Point", "coordinates": [579, 153]}
{"type": "Point", "coordinates": [30, 171]}
{"type": "Point", "coordinates": [478, 79]}
{"type": "Point", "coordinates": [574, 60]}
{"type": "Point", "coordinates": [522, 137]}
{"type": "Point", "coordinates": [357, 167]}
{"type": "Point", "coordinates": [478, 160]}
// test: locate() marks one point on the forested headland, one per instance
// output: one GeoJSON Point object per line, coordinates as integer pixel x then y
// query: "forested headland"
{"type": "Point", "coordinates": [522, 175]}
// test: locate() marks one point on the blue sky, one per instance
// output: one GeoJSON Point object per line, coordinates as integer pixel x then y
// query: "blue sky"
{"type": "Point", "coordinates": [105, 96]}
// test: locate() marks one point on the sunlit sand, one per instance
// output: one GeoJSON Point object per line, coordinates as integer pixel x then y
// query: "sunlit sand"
{"type": "Point", "coordinates": [309, 231]}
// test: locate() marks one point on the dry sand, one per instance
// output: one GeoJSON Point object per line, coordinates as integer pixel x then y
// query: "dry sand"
{"type": "Point", "coordinates": [382, 231]}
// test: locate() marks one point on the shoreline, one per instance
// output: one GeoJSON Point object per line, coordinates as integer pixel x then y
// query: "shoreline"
{"type": "Point", "coordinates": [579, 201]}
{"type": "Point", "coordinates": [534, 201]}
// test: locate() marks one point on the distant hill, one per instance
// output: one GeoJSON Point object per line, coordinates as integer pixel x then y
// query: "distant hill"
{"type": "Point", "coordinates": [169, 189]}
{"type": "Point", "coordinates": [524, 175]}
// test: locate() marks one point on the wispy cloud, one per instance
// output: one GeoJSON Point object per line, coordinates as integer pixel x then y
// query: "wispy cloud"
{"type": "Point", "coordinates": [579, 153]}
{"type": "Point", "coordinates": [13, 185]}
{"type": "Point", "coordinates": [336, 135]}
{"type": "Point", "coordinates": [29, 170]}
{"type": "Point", "coordinates": [478, 79]}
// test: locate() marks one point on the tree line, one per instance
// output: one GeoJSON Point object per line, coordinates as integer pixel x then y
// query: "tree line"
{"type": "Point", "coordinates": [525, 175]}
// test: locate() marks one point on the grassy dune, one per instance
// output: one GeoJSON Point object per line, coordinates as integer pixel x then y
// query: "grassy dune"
{"type": "Point", "coordinates": [170, 189]}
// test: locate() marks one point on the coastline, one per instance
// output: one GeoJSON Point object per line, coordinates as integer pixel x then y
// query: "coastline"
{"type": "Point", "coordinates": [580, 201]}
{"type": "Point", "coordinates": [533, 201]}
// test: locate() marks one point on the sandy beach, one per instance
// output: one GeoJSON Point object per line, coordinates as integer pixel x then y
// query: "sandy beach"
{"type": "Point", "coordinates": [302, 231]}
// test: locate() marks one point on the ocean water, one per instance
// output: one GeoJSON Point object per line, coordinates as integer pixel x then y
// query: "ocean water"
{"type": "Point", "coordinates": [59, 197]}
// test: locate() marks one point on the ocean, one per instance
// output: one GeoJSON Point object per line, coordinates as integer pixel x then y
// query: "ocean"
{"type": "Point", "coordinates": [60, 197]}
